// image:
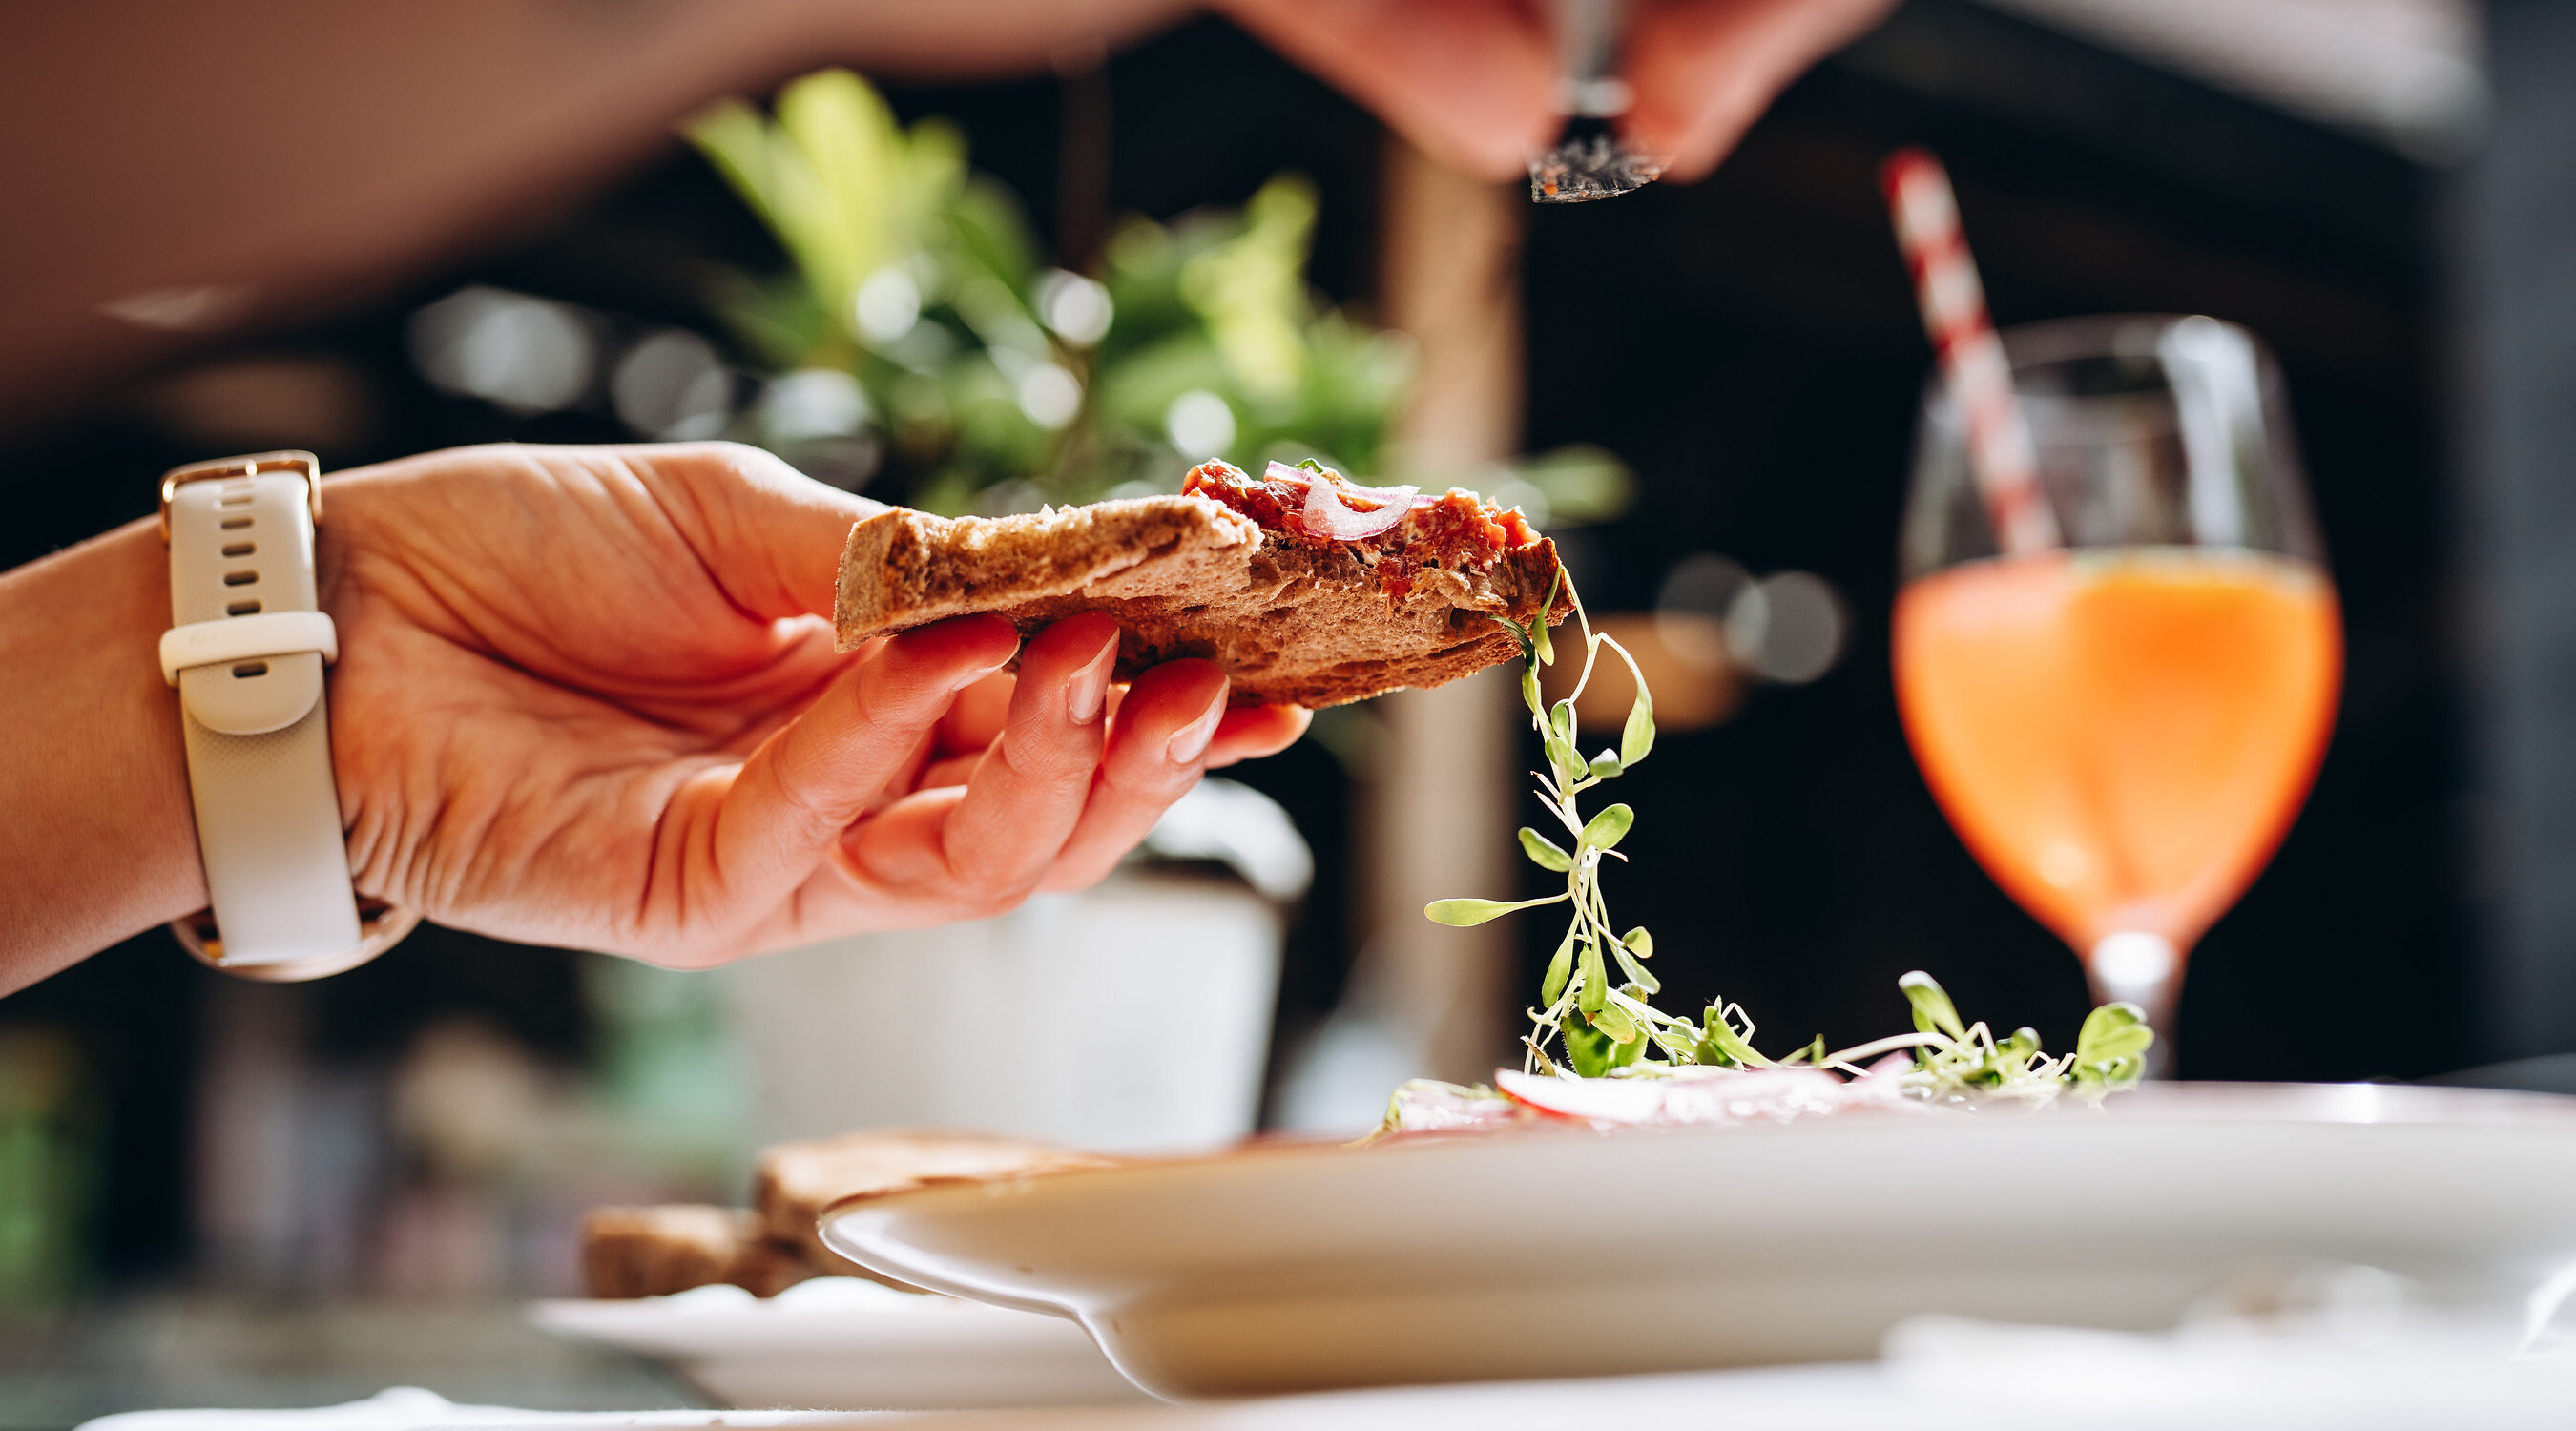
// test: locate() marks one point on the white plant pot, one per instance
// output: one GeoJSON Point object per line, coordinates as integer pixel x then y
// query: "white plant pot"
{"type": "Point", "coordinates": [1132, 1017]}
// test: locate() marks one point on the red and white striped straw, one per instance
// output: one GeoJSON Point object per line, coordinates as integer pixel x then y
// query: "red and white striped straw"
{"type": "Point", "coordinates": [1972, 357]}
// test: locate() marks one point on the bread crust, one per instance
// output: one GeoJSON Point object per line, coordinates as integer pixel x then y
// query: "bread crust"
{"type": "Point", "coordinates": [797, 1182]}
{"type": "Point", "coordinates": [1291, 622]}
{"type": "Point", "coordinates": [655, 1251]}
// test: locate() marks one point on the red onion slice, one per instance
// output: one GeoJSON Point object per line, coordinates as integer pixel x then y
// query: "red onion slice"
{"type": "Point", "coordinates": [1327, 518]}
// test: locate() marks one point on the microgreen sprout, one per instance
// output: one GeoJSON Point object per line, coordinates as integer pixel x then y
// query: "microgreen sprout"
{"type": "Point", "coordinates": [1606, 1026]}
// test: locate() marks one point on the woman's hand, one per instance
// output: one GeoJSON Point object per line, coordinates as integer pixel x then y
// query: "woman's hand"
{"type": "Point", "coordinates": [587, 696]}
{"type": "Point", "coordinates": [1473, 82]}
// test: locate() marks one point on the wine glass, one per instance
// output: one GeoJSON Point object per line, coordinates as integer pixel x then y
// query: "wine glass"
{"type": "Point", "coordinates": [2121, 728]}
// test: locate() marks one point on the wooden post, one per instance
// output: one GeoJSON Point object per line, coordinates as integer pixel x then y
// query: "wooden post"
{"type": "Point", "coordinates": [1437, 818]}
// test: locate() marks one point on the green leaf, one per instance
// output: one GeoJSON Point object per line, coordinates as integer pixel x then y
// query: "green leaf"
{"type": "Point", "coordinates": [1605, 765]}
{"type": "Point", "coordinates": [1614, 1021]}
{"type": "Point", "coordinates": [1596, 980]}
{"type": "Point", "coordinates": [1559, 969]}
{"type": "Point", "coordinates": [1932, 1007]}
{"type": "Point", "coordinates": [1605, 830]}
{"type": "Point", "coordinates": [1587, 1048]}
{"type": "Point", "coordinates": [1529, 689]}
{"type": "Point", "coordinates": [1468, 913]}
{"type": "Point", "coordinates": [1561, 720]}
{"type": "Point", "coordinates": [1543, 853]}
{"type": "Point", "coordinates": [1547, 608]}
{"type": "Point", "coordinates": [1637, 738]}
{"type": "Point", "coordinates": [1721, 1045]}
{"type": "Point", "coordinates": [1539, 638]}
{"type": "Point", "coordinates": [1647, 984]}
{"type": "Point", "coordinates": [2114, 1032]}
{"type": "Point", "coordinates": [2111, 1051]}
{"type": "Point", "coordinates": [1639, 940]}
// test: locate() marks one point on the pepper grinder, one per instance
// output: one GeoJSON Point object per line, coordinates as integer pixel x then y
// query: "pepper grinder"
{"type": "Point", "coordinates": [1589, 160]}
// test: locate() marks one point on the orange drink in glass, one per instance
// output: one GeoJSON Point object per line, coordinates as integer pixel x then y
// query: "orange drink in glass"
{"type": "Point", "coordinates": [2121, 729]}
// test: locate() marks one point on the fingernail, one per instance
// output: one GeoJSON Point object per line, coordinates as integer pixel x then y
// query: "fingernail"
{"type": "Point", "coordinates": [1191, 741]}
{"type": "Point", "coordinates": [981, 672]}
{"type": "Point", "coordinates": [1089, 689]}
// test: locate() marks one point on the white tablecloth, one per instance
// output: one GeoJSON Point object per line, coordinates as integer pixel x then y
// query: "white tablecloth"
{"type": "Point", "coordinates": [1937, 1374]}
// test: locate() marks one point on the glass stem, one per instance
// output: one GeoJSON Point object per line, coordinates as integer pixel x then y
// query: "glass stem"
{"type": "Point", "coordinates": [2146, 970]}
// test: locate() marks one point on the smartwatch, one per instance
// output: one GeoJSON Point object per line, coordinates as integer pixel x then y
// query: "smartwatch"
{"type": "Point", "coordinates": [245, 651]}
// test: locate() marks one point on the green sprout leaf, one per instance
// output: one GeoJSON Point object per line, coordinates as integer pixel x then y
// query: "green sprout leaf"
{"type": "Point", "coordinates": [1646, 984]}
{"type": "Point", "coordinates": [1720, 1044]}
{"type": "Point", "coordinates": [1559, 969]}
{"type": "Point", "coordinates": [1605, 765]}
{"type": "Point", "coordinates": [1932, 1007]}
{"type": "Point", "coordinates": [1639, 940]}
{"type": "Point", "coordinates": [1529, 685]}
{"type": "Point", "coordinates": [1544, 854]}
{"type": "Point", "coordinates": [1596, 981]}
{"type": "Point", "coordinates": [2113, 1031]}
{"type": "Point", "coordinates": [1605, 830]}
{"type": "Point", "coordinates": [1468, 913]}
{"type": "Point", "coordinates": [1587, 1048]}
{"type": "Point", "coordinates": [1637, 738]}
{"type": "Point", "coordinates": [1614, 1021]}
{"type": "Point", "coordinates": [2111, 1051]}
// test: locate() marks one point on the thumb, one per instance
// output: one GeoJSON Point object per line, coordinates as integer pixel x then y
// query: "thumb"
{"type": "Point", "coordinates": [769, 535]}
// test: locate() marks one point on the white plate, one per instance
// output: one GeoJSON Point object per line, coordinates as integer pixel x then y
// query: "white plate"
{"type": "Point", "coordinates": [846, 1344]}
{"type": "Point", "coordinates": [1570, 1253]}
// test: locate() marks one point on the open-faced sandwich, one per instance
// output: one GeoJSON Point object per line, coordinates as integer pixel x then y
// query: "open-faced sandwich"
{"type": "Point", "coordinates": [1307, 588]}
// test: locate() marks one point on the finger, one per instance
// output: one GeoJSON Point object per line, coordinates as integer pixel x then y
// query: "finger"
{"type": "Point", "coordinates": [1156, 752]}
{"type": "Point", "coordinates": [976, 719]}
{"type": "Point", "coordinates": [1470, 82]}
{"type": "Point", "coordinates": [1027, 794]}
{"type": "Point", "coordinates": [955, 770]}
{"type": "Point", "coordinates": [1251, 732]}
{"type": "Point", "coordinates": [791, 801]}
{"type": "Point", "coordinates": [1704, 70]}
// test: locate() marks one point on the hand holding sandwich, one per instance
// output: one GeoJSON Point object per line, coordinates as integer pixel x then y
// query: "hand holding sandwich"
{"type": "Point", "coordinates": [589, 696]}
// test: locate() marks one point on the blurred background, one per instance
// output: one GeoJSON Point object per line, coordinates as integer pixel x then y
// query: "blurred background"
{"type": "Point", "coordinates": [1074, 284]}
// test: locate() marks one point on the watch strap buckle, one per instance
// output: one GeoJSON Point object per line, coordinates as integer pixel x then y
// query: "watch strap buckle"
{"type": "Point", "coordinates": [301, 463]}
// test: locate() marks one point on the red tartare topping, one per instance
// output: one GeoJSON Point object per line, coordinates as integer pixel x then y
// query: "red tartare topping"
{"type": "Point", "coordinates": [1453, 530]}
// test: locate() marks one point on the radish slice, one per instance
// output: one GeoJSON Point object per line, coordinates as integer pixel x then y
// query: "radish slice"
{"type": "Point", "coordinates": [1763, 1095]}
{"type": "Point", "coordinates": [1425, 1106]}
{"type": "Point", "coordinates": [1602, 1100]}
{"type": "Point", "coordinates": [1327, 518]}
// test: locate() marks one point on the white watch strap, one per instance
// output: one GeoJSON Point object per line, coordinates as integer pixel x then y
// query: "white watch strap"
{"type": "Point", "coordinates": [258, 730]}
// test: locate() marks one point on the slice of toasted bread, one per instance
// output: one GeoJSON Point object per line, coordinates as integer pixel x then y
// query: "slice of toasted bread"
{"type": "Point", "coordinates": [655, 1251]}
{"type": "Point", "coordinates": [796, 1182]}
{"type": "Point", "coordinates": [1292, 622]}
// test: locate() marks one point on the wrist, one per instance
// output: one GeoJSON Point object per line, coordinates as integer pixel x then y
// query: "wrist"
{"type": "Point", "coordinates": [100, 841]}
